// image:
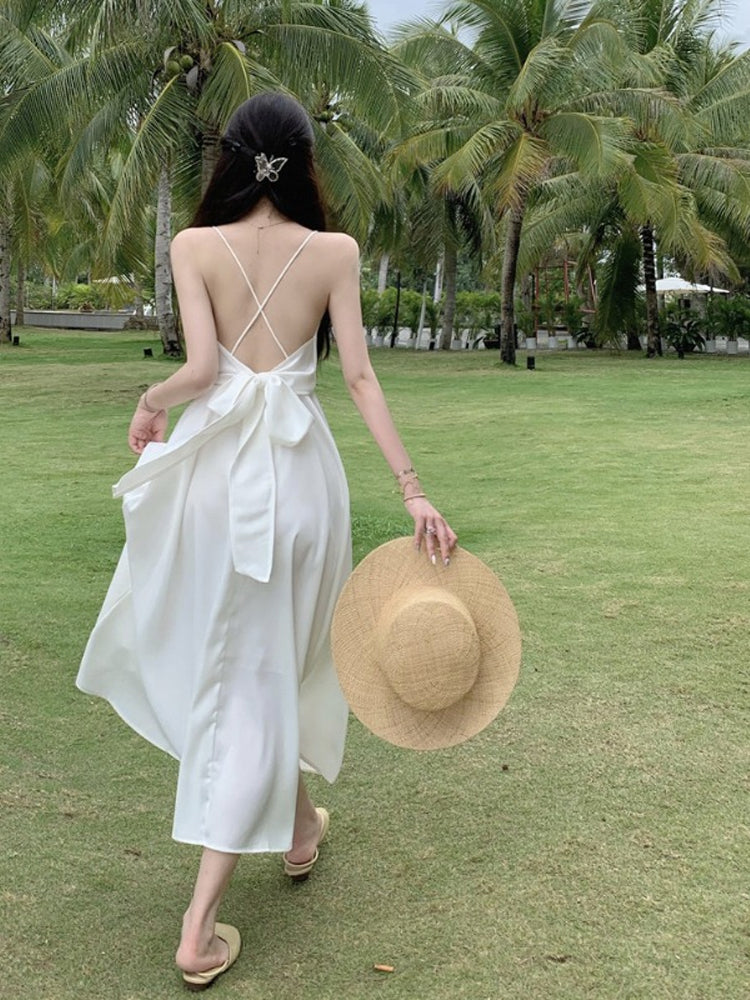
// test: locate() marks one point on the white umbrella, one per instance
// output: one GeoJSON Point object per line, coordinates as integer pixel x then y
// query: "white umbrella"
{"type": "Point", "coordinates": [666, 285]}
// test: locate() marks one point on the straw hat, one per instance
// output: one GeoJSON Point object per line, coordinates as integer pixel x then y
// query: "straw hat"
{"type": "Point", "coordinates": [426, 655]}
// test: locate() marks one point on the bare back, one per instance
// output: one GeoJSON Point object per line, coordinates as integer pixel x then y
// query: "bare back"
{"type": "Point", "coordinates": [240, 265]}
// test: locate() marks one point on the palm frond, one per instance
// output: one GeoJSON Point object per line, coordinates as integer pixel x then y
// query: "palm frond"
{"type": "Point", "coordinates": [230, 82]}
{"type": "Point", "coordinates": [351, 184]}
{"type": "Point", "coordinates": [312, 45]}
{"type": "Point", "coordinates": [522, 166]}
{"type": "Point", "coordinates": [618, 277]}
{"type": "Point", "coordinates": [722, 103]}
{"type": "Point", "coordinates": [448, 100]}
{"type": "Point", "coordinates": [594, 144]}
{"type": "Point", "coordinates": [160, 135]}
{"type": "Point", "coordinates": [462, 168]}
{"type": "Point", "coordinates": [653, 113]}
{"type": "Point", "coordinates": [546, 60]}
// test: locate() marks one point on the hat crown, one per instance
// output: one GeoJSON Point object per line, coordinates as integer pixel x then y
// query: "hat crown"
{"type": "Point", "coordinates": [427, 647]}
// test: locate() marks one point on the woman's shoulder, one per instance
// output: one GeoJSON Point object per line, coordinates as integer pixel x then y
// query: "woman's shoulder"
{"type": "Point", "coordinates": [340, 245]}
{"type": "Point", "coordinates": [191, 238]}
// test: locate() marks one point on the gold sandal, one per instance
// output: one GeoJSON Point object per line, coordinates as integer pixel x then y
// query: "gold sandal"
{"type": "Point", "coordinates": [299, 872]}
{"type": "Point", "coordinates": [196, 981]}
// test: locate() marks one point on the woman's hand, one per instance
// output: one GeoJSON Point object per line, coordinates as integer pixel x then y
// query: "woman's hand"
{"type": "Point", "coordinates": [432, 528]}
{"type": "Point", "coordinates": [146, 426]}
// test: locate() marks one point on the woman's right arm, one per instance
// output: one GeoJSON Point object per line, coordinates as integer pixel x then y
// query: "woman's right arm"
{"type": "Point", "coordinates": [199, 371]}
{"type": "Point", "coordinates": [345, 310]}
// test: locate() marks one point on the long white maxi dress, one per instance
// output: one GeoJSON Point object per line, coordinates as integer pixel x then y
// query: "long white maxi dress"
{"type": "Point", "coordinates": [213, 641]}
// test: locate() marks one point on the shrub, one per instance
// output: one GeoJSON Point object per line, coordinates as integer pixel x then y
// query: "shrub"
{"type": "Point", "coordinates": [728, 316]}
{"type": "Point", "coordinates": [79, 296]}
{"type": "Point", "coordinates": [682, 331]}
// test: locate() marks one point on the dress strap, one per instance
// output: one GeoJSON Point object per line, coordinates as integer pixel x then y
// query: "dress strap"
{"type": "Point", "coordinates": [260, 311]}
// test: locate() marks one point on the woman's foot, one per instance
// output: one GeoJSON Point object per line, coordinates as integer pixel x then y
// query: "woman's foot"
{"type": "Point", "coordinates": [200, 948]}
{"type": "Point", "coordinates": [309, 830]}
{"type": "Point", "coordinates": [201, 980]}
{"type": "Point", "coordinates": [298, 871]}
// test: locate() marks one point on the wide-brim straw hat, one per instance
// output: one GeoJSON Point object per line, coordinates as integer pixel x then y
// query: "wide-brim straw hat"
{"type": "Point", "coordinates": [426, 655]}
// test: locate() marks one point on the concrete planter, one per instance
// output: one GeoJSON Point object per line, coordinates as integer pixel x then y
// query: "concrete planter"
{"type": "Point", "coordinates": [732, 347]}
{"type": "Point", "coordinates": [64, 319]}
{"type": "Point", "coordinates": [531, 343]}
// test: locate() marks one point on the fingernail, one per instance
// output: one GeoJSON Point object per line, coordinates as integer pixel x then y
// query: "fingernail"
{"type": "Point", "coordinates": [434, 559]}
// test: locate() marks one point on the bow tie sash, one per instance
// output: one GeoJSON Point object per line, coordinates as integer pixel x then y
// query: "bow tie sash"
{"type": "Point", "coordinates": [268, 407]}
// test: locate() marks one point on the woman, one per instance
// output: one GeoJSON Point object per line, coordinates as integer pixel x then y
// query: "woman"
{"type": "Point", "coordinates": [213, 640]}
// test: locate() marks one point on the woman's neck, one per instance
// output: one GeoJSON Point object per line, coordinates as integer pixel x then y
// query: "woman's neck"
{"type": "Point", "coordinates": [265, 214]}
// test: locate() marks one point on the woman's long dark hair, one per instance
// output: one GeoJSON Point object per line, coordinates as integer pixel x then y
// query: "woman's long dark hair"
{"type": "Point", "coordinates": [277, 126]}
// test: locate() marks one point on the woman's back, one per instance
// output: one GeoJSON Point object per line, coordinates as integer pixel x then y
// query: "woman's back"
{"type": "Point", "coordinates": [293, 311]}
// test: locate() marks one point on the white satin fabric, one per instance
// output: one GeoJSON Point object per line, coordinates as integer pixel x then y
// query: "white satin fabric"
{"type": "Point", "coordinates": [213, 641]}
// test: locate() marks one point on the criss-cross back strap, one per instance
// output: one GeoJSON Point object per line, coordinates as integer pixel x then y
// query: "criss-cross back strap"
{"type": "Point", "coordinates": [260, 311]}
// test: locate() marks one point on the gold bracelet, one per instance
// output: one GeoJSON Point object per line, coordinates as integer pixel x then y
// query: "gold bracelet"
{"type": "Point", "coordinates": [144, 401]}
{"type": "Point", "coordinates": [415, 496]}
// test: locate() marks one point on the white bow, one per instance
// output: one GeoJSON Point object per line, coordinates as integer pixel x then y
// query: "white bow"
{"type": "Point", "coordinates": [270, 411]}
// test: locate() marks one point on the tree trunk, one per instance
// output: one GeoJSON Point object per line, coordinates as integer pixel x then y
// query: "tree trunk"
{"type": "Point", "coordinates": [394, 332]}
{"type": "Point", "coordinates": [383, 272]}
{"type": "Point", "coordinates": [422, 313]}
{"type": "Point", "coordinates": [5, 333]}
{"type": "Point", "coordinates": [438, 280]}
{"type": "Point", "coordinates": [450, 266]}
{"type": "Point", "coordinates": [20, 294]}
{"type": "Point", "coordinates": [163, 270]}
{"type": "Point", "coordinates": [209, 154]}
{"type": "Point", "coordinates": [653, 344]}
{"type": "Point", "coordinates": [138, 295]}
{"type": "Point", "coordinates": [508, 286]}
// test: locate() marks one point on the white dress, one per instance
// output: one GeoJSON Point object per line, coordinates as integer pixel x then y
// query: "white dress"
{"type": "Point", "coordinates": [213, 641]}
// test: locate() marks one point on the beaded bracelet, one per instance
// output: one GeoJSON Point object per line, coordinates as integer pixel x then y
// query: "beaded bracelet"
{"type": "Point", "coordinates": [410, 473]}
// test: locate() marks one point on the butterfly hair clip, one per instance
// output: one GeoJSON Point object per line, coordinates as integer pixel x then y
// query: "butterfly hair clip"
{"type": "Point", "coordinates": [266, 169]}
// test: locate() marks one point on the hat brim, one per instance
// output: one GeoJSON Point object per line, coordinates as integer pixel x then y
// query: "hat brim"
{"type": "Point", "coordinates": [378, 577]}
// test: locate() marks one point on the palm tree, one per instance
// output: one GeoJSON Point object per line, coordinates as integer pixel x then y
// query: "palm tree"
{"type": "Point", "coordinates": [5, 264]}
{"type": "Point", "coordinates": [27, 52]}
{"type": "Point", "coordinates": [170, 75]}
{"type": "Point", "coordinates": [687, 179]}
{"type": "Point", "coordinates": [515, 109]}
{"type": "Point", "coordinates": [443, 223]}
{"type": "Point", "coordinates": [699, 150]}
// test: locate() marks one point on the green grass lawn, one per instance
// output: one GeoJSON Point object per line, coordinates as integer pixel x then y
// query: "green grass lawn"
{"type": "Point", "coordinates": [591, 843]}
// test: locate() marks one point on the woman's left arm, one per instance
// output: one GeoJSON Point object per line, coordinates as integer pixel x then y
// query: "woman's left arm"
{"type": "Point", "coordinates": [346, 315]}
{"type": "Point", "coordinates": [198, 373]}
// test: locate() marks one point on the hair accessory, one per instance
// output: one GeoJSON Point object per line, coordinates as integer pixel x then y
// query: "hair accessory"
{"type": "Point", "coordinates": [268, 169]}
{"type": "Point", "coordinates": [426, 654]}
